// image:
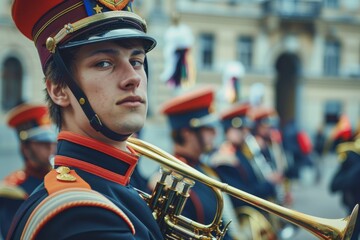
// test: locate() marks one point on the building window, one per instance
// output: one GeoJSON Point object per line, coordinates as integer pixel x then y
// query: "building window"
{"type": "Point", "coordinates": [245, 51]}
{"type": "Point", "coordinates": [331, 3]}
{"type": "Point", "coordinates": [333, 109]}
{"type": "Point", "coordinates": [207, 50]}
{"type": "Point", "coordinates": [11, 83]}
{"type": "Point", "coordinates": [331, 58]}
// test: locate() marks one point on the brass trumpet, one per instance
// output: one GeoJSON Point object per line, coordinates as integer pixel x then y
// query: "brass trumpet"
{"type": "Point", "coordinates": [167, 208]}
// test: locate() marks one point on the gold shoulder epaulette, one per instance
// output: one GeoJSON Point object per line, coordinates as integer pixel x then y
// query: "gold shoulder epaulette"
{"type": "Point", "coordinates": [62, 178]}
{"type": "Point", "coordinates": [12, 192]}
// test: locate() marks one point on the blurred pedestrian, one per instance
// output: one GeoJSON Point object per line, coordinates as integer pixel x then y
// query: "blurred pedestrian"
{"type": "Point", "coordinates": [298, 148]}
{"type": "Point", "coordinates": [37, 145]}
{"type": "Point", "coordinates": [93, 54]}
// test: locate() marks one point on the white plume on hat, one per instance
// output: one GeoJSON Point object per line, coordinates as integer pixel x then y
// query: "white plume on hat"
{"type": "Point", "coordinates": [176, 37]}
{"type": "Point", "coordinates": [234, 69]}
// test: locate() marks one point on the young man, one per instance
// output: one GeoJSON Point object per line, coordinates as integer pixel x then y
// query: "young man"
{"type": "Point", "coordinates": [37, 145]}
{"type": "Point", "coordinates": [93, 54]}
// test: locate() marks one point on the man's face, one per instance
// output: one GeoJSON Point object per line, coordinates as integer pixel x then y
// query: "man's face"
{"type": "Point", "coordinates": [235, 135]}
{"type": "Point", "coordinates": [38, 154]}
{"type": "Point", "coordinates": [208, 135]}
{"type": "Point", "coordinates": [114, 80]}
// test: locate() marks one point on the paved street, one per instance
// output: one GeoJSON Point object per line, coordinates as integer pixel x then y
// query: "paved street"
{"type": "Point", "coordinates": [309, 197]}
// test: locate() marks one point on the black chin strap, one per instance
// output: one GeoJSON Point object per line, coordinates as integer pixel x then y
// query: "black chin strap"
{"type": "Point", "coordinates": [94, 119]}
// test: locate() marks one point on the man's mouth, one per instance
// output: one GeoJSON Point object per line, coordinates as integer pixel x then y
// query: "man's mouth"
{"type": "Point", "coordinates": [131, 101]}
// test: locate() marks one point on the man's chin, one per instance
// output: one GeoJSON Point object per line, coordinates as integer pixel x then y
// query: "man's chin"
{"type": "Point", "coordinates": [132, 127]}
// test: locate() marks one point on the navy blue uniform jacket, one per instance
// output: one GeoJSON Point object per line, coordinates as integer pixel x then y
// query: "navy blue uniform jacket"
{"type": "Point", "coordinates": [107, 171]}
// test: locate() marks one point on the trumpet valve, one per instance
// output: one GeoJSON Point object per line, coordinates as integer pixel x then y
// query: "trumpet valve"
{"type": "Point", "coordinates": [187, 185]}
{"type": "Point", "coordinates": [164, 173]}
{"type": "Point", "coordinates": [175, 179]}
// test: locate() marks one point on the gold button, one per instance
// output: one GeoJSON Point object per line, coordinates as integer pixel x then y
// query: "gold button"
{"type": "Point", "coordinates": [51, 44]}
{"type": "Point", "coordinates": [82, 101]}
{"type": "Point", "coordinates": [66, 177]}
{"type": "Point", "coordinates": [62, 169]}
{"type": "Point", "coordinates": [236, 122]}
{"type": "Point", "coordinates": [23, 135]}
{"type": "Point", "coordinates": [195, 122]}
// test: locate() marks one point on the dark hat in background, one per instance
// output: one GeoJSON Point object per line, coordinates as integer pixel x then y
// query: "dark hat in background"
{"type": "Point", "coordinates": [236, 116]}
{"type": "Point", "coordinates": [56, 23]}
{"type": "Point", "coordinates": [32, 123]}
{"type": "Point", "coordinates": [190, 109]}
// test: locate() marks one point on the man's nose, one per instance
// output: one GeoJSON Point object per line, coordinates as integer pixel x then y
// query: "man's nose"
{"type": "Point", "coordinates": [129, 78]}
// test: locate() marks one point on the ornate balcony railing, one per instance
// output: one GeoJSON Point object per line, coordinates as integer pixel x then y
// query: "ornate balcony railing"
{"type": "Point", "coordinates": [297, 9]}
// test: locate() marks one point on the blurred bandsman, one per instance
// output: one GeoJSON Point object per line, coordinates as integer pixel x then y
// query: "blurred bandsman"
{"type": "Point", "coordinates": [184, 113]}
{"type": "Point", "coordinates": [234, 163]}
{"type": "Point", "coordinates": [346, 179]}
{"type": "Point", "coordinates": [191, 137]}
{"type": "Point", "coordinates": [37, 139]}
{"type": "Point", "coordinates": [267, 142]}
{"type": "Point", "coordinates": [234, 160]}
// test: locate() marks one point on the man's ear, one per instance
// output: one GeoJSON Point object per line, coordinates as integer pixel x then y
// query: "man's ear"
{"type": "Point", "coordinates": [58, 94]}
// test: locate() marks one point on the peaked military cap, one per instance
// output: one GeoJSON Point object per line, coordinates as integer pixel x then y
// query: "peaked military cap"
{"type": "Point", "coordinates": [68, 23]}
{"type": "Point", "coordinates": [236, 116]}
{"type": "Point", "coordinates": [32, 123]}
{"type": "Point", "coordinates": [263, 115]}
{"type": "Point", "coordinates": [189, 109]}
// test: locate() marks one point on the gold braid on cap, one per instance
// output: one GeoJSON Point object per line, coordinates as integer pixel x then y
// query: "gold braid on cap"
{"type": "Point", "coordinates": [51, 42]}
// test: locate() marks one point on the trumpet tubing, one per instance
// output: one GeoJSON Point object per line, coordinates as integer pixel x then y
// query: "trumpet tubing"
{"type": "Point", "coordinates": [322, 228]}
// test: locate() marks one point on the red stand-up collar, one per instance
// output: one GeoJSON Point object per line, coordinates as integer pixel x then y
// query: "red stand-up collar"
{"type": "Point", "coordinates": [95, 157]}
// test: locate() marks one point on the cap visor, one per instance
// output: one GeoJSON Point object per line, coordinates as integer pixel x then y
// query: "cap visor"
{"type": "Point", "coordinates": [112, 35]}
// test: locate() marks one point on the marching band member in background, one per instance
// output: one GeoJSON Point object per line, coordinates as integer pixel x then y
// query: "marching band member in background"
{"type": "Point", "coordinates": [191, 138]}
{"type": "Point", "coordinates": [234, 161]}
{"type": "Point", "coordinates": [234, 164]}
{"type": "Point", "coordinates": [267, 143]}
{"type": "Point", "coordinates": [37, 145]}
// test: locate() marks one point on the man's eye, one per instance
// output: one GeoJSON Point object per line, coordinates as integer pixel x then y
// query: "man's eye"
{"type": "Point", "coordinates": [103, 64]}
{"type": "Point", "coordinates": [136, 63]}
